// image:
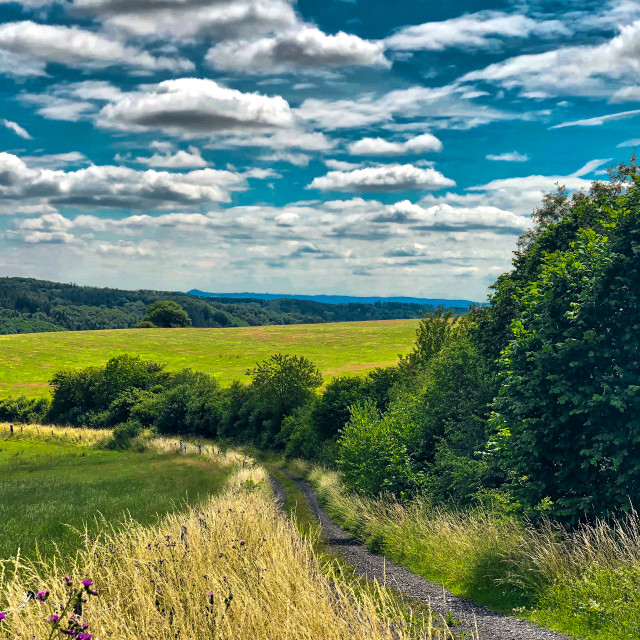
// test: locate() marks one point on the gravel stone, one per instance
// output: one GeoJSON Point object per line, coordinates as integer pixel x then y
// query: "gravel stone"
{"type": "Point", "coordinates": [490, 625]}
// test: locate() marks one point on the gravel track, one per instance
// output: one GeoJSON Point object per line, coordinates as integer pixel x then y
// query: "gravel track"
{"type": "Point", "coordinates": [490, 624]}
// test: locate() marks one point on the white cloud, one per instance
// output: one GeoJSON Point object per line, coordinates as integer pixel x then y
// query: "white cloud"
{"type": "Point", "coordinates": [39, 44]}
{"type": "Point", "coordinates": [296, 159]}
{"type": "Point", "coordinates": [598, 121]}
{"type": "Point", "coordinates": [633, 142]}
{"type": "Point", "coordinates": [181, 19]}
{"type": "Point", "coordinates": [481, 30]}
{"type": "Point", "coordinates": [381, 147]}
{"type": "Point", "coordinates": [292, 138]}
{"type": "Point", "coordinates": [55, 160]}
{"type": "Point", "coordinates": [115, 187]}
{"type": "Point", "coordinates": [193, 107]}
{"type": "Point", "coordinates": [511, 156]}
{"type": "Point", "coordinates": [394, 177]}
{"type": "Point", "coordinates": [589, 70]}
{"type": "Point", "coordinates": [191, 159]}
{"type": "Point", "coordinates": [16, 128]}
{"type": "Point", "coordinates": [446, 217]}
{"type": "Point", "coordinates": [302, 48]}
{"type": "Point", "coordinates": [341, 165]}
{"type": "Point", "coordinates": [449, 106]}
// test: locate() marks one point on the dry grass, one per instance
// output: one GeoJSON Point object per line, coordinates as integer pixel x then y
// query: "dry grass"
{"type": "Point", "coordinates": [201, 448]}
{"type": "Point", "coordinates": [264, 580]}
{"type": "Point", "coordinates": [584, 581]}
{"type": "Point", "coordinates": [57, 435]}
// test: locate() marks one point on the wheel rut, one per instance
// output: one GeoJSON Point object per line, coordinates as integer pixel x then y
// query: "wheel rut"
{"type": "Point", "coordinates": [490, 624]}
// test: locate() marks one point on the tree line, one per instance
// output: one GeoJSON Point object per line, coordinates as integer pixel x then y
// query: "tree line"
{"type": "Point", "coordinates": [28, 306]}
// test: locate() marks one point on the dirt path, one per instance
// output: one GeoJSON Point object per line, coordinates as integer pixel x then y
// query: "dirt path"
{"type": "Point", "coordinates": [490, 624]}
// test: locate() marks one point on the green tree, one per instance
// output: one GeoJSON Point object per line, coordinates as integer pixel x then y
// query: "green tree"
{"type": "Point", "coordinates": [279, 386]}
{"type": "Point", "coordinates": [570, 396]}
{"type": "Point", "coordinates": [167, 314]}
{"type": "Point", "coordinates": [372, 452]}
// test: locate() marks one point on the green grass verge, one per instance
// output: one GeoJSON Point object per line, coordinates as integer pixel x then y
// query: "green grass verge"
{"type": "Point", "coordinates": [46, 486]}
{"type": "Point", "coordinates": [349, 348]}
{"type": "Point", "coordinates": [584, 583]}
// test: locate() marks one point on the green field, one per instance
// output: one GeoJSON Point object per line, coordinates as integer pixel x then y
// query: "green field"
{"type": "Point", "coordinates": [29, 360]}
{"type": "Point", "coordinates": [45, 486]}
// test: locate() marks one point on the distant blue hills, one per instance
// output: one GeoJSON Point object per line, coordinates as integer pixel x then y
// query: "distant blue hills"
{"type": "Point", "coordinates": [436, 302]}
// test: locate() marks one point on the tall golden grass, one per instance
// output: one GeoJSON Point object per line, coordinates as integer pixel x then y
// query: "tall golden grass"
{"type": "Point", "coordinates": [67, 435]}
{"type": "Point", "coordinates": [231, 568]}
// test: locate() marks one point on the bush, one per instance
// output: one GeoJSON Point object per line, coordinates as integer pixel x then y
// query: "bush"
{"type": "Point", "coordinates": [124, 434]}
{"type": "Point", "coordinates": [373, 455]}
{"type": "Point", "coordinates": [23, 410]}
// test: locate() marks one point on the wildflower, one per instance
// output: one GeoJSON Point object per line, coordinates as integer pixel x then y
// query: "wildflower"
{"type": "Point", "coordinates": [242, 543]}
{"type": "Point", "coordinates": [87, 583]}
{"type": "Point", "coordinates": [2, 616]}
{"type": "Point", "coordinates": [54, 619]}
{"type": "Point", "coordinates": [210, 597]}
{"type": "Point", "coordinates": [84, 636]}
{"type": "Point", "coordinates": [67, 581]}
{"type": "Point", "coordinates": [42, 596]}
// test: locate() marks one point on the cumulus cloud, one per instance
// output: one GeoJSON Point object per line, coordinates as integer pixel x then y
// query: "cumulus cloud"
{"type": "Point", "coordinates": [193, 107]}
{"type": "Point", "coordinates": [16, 128]}
{"type": "Point", "coordinates": [593, 70]}
{"type": "Point", "coordinates": [444, 217]}
{"type": "Point", "coordinates": [395, 177]}
{"type": "Point", "coordinates": [115, 187]}
{"type": "Point", "coordinates": [304, 48]}
{"type": "Point", "coordinates": [190, 159]}
{"type": "Point", "coordinates": [39, 44]}
{"type": "Point", "coordinates": [510, 156]}
{"type": "Point", "coordinates": [381, 147]}
{"type": "Point", "coordinates": [179, 19]}
{"type": "Point", "coordinates": [481, 30]}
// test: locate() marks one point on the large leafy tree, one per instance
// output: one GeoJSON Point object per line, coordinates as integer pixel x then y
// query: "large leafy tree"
{"type": "Point", "coordinates": [279, 386]}
{"type": "Point", "coordinates": [167, 314]}
{"type": "Point", "coordinates": [570, 397]}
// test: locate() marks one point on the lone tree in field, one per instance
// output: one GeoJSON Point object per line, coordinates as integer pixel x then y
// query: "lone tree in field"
{"type": "Point", "coordinates": [166, 314]}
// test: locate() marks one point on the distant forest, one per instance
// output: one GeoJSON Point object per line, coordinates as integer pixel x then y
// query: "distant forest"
{"type": "Point", "coordinates": [29, 306]}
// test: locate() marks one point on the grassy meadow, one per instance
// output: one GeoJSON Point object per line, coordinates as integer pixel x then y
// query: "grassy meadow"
{"type": "Point", "coordinates": [227, 566]}
{"type": "Point", "coordinates": [29, 360]}
{"type": "Point", "coordinates": [50, 481]}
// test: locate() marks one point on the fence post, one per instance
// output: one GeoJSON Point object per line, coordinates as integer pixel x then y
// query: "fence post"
{"type": "Point", "coordinates": [11, 429]}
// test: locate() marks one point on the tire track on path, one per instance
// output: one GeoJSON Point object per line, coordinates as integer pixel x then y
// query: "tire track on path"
{"type": "Point", "coordinates": [491, 625]}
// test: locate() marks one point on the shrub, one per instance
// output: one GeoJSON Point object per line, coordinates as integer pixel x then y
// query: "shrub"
{"type": "Point", "coordinates": [124, 434]}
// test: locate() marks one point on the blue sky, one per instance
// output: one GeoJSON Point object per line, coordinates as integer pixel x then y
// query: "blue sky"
{"type": "Point", "coordinates": [320, 146]}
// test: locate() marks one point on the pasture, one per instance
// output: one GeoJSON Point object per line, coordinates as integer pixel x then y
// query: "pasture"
{"type": "Point", "coordinates": [30, 360]}
{"type": "Point", "coordinates": [49, 484]}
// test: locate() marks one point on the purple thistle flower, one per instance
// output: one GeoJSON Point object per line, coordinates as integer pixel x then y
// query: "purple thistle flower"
{"type": "Point", "coordinates": [210, 597]}
{"type": "Point", "coordinates": [242, 543]}
{"type": "Point", "coordinates": [87, 583]}
{"type": "Point", "coordinates": [54, 619]}
{"type": "Point", "coordinates": [41, 596]}
{"type": "Point", "coordinates": [2, 616]}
